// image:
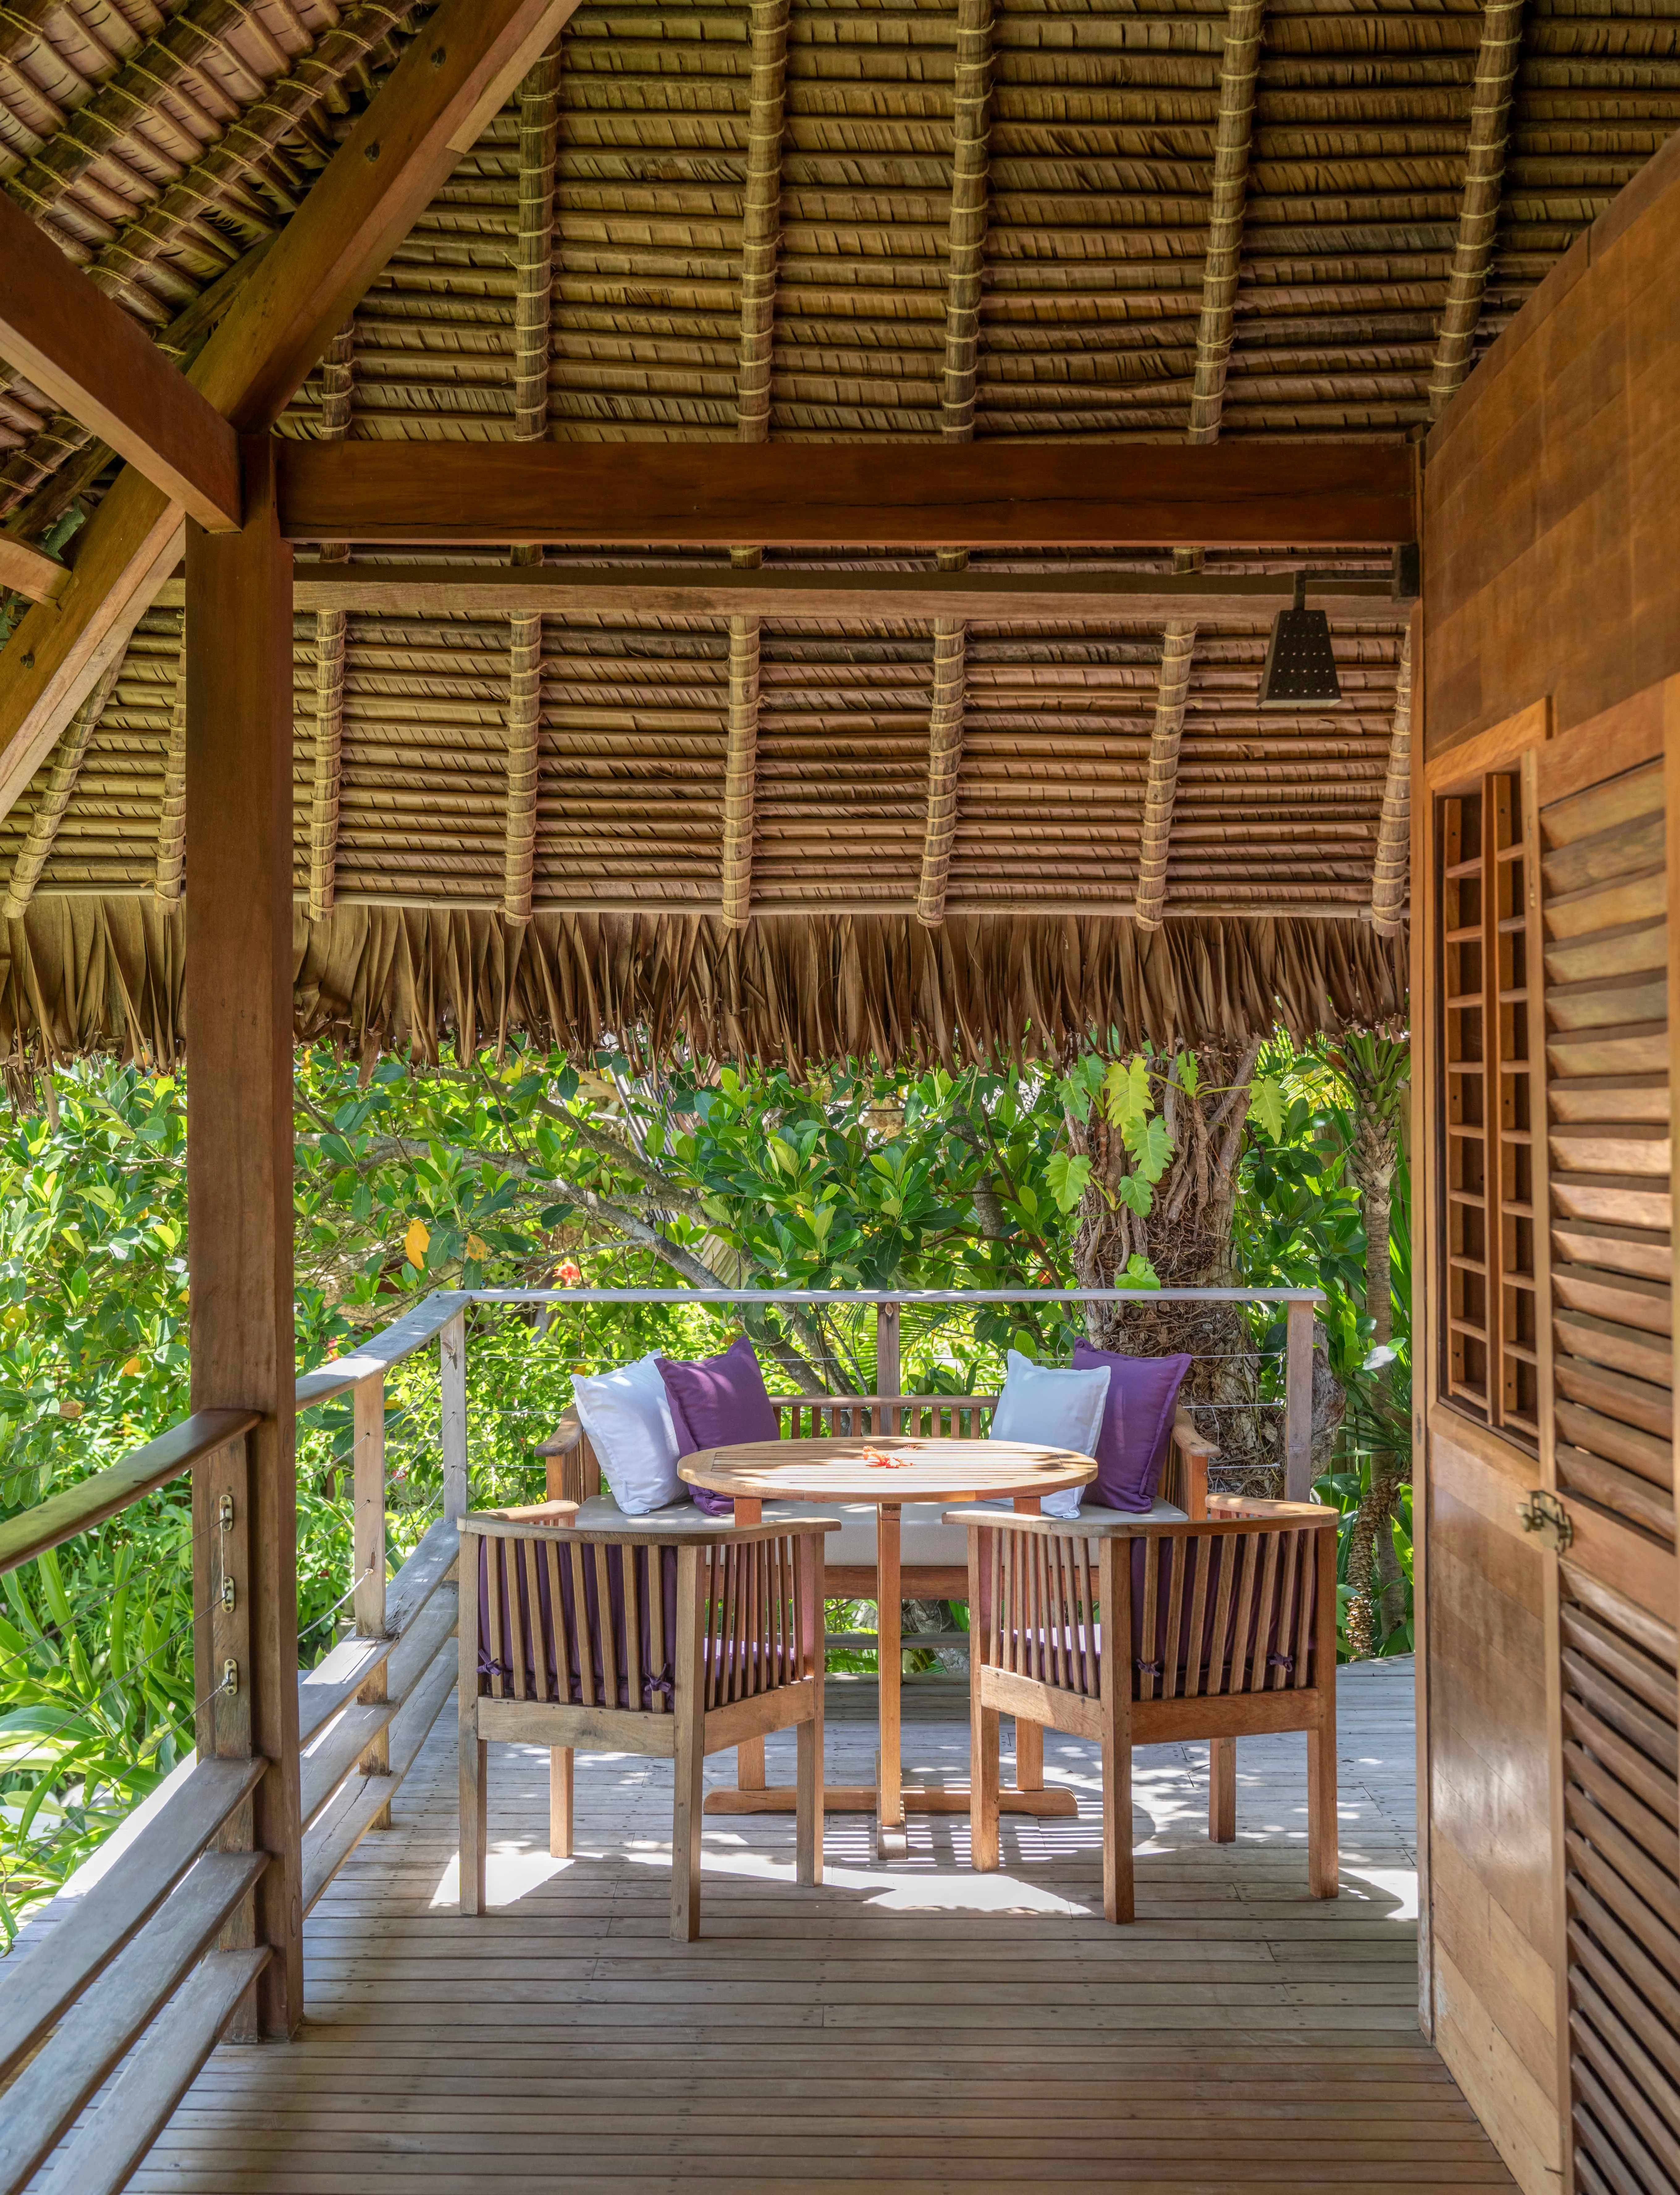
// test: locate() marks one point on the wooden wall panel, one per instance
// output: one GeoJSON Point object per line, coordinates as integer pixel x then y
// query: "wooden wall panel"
{"type": "Point", "coordinates": [1552, 487]}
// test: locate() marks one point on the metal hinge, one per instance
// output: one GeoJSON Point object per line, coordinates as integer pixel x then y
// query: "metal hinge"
{"type": "Point", "coordinates": [225, 1512]}
{"type": "Point", "coordinates": [1545, 1515]}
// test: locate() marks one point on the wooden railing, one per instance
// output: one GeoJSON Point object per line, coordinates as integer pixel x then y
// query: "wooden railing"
{"type": "Point", "coordinates": [164, 1915]}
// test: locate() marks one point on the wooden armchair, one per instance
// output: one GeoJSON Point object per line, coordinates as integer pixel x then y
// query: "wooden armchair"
{"type": "Point", "coordinates": [933, 1567]}
{"type": "Point", "coordinates": [674, 1641]}
{"type": "Point", "coordinates": [1229, 1622]}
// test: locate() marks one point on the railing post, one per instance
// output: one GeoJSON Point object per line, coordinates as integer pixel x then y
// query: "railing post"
{"type": "Point", "coordinates": [1298, 1408]}
{"type": "Point", "coordinates": [452, 1374]}
{"type": "Point", "coordinates": [239, 1028]}
{"type": "Point", "coordinates": [368, 1558]}
{"type": "Point", "coordinates": [888, 1372]}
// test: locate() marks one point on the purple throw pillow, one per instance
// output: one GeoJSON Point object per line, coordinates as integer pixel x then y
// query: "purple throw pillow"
{"type": "Point", "coordinates": [1136, 1424]}
{"type": "Point", "coordinates": [718, 1402]}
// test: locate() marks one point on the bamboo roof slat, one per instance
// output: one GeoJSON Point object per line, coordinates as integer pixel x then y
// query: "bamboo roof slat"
{"type": "Point", "coordinates": [337, 401]}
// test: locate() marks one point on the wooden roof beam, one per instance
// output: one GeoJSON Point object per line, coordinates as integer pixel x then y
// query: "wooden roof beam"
{"type": "Point", "coordinates": [1248, 494]}
{"type": "Point", "coordinates": [1393, 830]}
{"type": "Point", "coordinates": [97, 363]}
{"type": "Point", "coordinates": [30, 572]}
{"type": "Point", "coordinates": [1496, 58]}
{"type": "Point", "coordinates": [771, 591]}
{"type": "Point", "coordinates": [455, 74]}
{"type": "Point", "coordinates": [1172, 695]}
{"type": "Point", "coordinates": [1239, 77]}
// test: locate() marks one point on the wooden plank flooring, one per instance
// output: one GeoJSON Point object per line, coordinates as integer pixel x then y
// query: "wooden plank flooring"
{"type": "Point", "coordinates": [913, 2027]}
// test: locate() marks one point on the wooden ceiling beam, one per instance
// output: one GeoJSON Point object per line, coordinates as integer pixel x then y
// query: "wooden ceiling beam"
{"type": "Point", "coordinates": [98, 364]}
{"type": "Point", "coordinates": [740, 774]}
{"type": "Point", "coordinates": [452, 76]}
{"type": "Point", "coordinates": [945, 762]}
{"type": "Point", "coordinates": [983, 596]}
{"type": "Point", "coordinates": [1394, 829]}
{"type": "Point", "coordinates": [1497, 55]}
{"type": "Point", "coordinates": [1248, 494]}
{"type": "Point", "coordinates": [29, 572]}
{"type": "Point", "coordinates": [1239, 76]}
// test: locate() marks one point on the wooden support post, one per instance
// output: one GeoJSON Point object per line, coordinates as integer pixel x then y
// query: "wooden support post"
{"type": "Point", "coordinates": [239, 1022]}
{"type": "Point", "coordinates": [1298, 1408]}
{"type": "Point", "coordinates": [368, 1558]}
{"type": "Point", "coordinates": [888, 1370]}
{"type": "Point", "coordinates": [452, 1374]}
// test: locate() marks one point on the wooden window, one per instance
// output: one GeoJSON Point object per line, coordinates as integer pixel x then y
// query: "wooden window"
{"type": "Point", "coordinates": [1489, 1334]}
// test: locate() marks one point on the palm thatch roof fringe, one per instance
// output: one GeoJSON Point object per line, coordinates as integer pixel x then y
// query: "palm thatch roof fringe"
{"type": "Point", "coordinates": [85, 975]}
{"type": "Point", "coordinates": [1394, 829]}
{"type": "Point", "coordinates": [1495, 60]}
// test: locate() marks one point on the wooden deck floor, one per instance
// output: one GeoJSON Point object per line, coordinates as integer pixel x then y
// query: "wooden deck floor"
{"type": "Point", "coordinates": [912, 2027]}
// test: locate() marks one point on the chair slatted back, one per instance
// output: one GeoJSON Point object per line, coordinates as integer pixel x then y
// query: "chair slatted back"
{"type": "Point", "coordinates": [1213, 1612]}
{"type": "Point", "coordinates": [591, 1621]}
{"type": "Point", "coordinates": [874, 1417]}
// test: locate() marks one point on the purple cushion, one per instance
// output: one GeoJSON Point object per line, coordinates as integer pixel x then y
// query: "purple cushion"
{"type": "Point", "coordinates": [718, 1402]}
{"type": "Point", "coordinates": [1136, 1424]}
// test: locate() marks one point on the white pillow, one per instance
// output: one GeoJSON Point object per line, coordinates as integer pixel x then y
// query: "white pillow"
{"type": "Point", "coordinates": [626, 1414]}
{"type": "Point", "coordinates": [1052, 1410]}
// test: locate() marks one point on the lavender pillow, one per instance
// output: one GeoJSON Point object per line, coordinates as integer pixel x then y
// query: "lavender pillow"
{"type": "Point", "coordinates": [1136, 1424]}
{"type": "Point", "coordinates": [716, 1403]}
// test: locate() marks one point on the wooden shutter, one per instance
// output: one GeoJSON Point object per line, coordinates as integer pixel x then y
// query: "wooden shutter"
{"type": "Point", "coordinates": [1607, 1353]}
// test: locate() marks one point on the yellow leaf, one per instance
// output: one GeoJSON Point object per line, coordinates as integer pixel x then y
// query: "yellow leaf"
{"type": "Point", "coordinates": [477, 1247]}
{"type": "Point", "coordinates": [417, 1242]}
{"type": "Point", "coordinates": [70, 1409]}
{"type": "Point", "coordinates": [132, 1368]}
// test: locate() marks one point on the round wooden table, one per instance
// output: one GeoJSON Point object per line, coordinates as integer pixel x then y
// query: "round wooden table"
{"type": "Point", "coordinates": [915, 1470]}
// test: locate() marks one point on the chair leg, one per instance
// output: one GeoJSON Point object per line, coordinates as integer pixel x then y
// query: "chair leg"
{"type": "Point", "coordinates": [560, 1802]}
{"type": "Point", "coordinates": [475, 1767]}
{"type": "Point", "coordinates": [1119, 1899]}
{"type": "Point", "coordinates": [808, 1802]}
{"type": "Point", "coordinates": [983, 1778]}
{"type": "Point", "coordinates": [685, 1832]}
{"type": "Point", "coordinates": [1222, 1790]}
{"type": "Point", "coordinates": [1323, 1853]}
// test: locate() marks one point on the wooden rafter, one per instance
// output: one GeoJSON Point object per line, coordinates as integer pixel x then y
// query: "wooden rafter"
{"type": "Point", "coordinates": [338, 370]}
{"type": "Point", "coordinates": [965, 268]}
{"type": "Point", "coordinates": [1172, 694]}
{"type": "Point", "coordinates": [761, 249]}
{"type": "Point", "coordinates": [27, 572]}
{"type": "Point", "coordinates": [1496, 59]}
{"type": "Point", "coordinates": [970, 203]}
{"type": "Point", "coordinates": [1004, 494]}
{"type": "Point", "coordinates": [745, 590]}
{"type": "Point", "coordinates": [1238, 76]}
{"type": "Point", "coordinates": [450, 78]}
{"type": "Point", "coordinates": [762, 218]}
{"type": "Point", "coordinates": [171, 863]}
{"type": "Point", "coordinates": [1393, 830]}
{"type": "Point", "coordinates": [741, 773]}
{"type": "Point", "coordinates": [91, 357]}
{"type": "Point", "coordinates": [533, 304]}
{"type": "Point", "coordinates": [38, 845]}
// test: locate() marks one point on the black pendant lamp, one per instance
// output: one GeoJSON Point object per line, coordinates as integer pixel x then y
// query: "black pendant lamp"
{"type": "Point", "coordinates": [1300, 672]}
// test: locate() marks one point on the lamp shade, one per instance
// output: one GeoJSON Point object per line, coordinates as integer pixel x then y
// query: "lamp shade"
{"type": "Point", "coordinates": [1300, 670]}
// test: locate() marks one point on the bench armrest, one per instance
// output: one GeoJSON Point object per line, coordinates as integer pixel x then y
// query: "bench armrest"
{"type": "Point", "coordinates": [573, 1474]}
{"type": "Point", "coordinates": [1184, 1481]}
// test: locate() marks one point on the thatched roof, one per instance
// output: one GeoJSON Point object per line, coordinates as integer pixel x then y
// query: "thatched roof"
{"type": "Point", "coordinates": [816, 220]}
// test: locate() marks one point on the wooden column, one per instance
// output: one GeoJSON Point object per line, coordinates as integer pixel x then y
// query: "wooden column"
{"type": "Point", "coordinates": [1298, 1408]}
{"type": "Point", "coordinates": [239, 1024]}
{"type": "Point", "coordinates": [368, 1558]}
{"type": "Point", "coordinates": [452, 1374]}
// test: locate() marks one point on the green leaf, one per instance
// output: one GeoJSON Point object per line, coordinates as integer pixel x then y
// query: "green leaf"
{"type": "Point", "coordinates": [1187, 1073]}
{"type": "Point", "coordinates": [1067, 1178]}
{"type": "Point", "coordinates": [1150, 1144]}
{"type": "Point", "coordinates": [1125, 1091]}
{"type": "Point", "coordinates": [1266, 1104]}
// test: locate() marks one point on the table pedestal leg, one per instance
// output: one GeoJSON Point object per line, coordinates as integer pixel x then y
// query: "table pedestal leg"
{"type": "Point", "coordinates": [749, 1753]}
{"type": "Point", "coordinates": [1029, 1736]}
{"type": "Point", "coordinates": [890, 1840]}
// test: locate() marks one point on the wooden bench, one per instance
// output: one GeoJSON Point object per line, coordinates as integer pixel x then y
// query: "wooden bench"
{"type": "Point", "coordinates": [574, 1475]}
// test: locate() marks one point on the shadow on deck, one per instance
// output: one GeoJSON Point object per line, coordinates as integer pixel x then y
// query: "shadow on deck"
{"type": "Point", "coordinates": [912, 2027]}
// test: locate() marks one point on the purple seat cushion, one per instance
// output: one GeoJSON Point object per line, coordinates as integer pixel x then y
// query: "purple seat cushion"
{"type": "Point", "coordinates": [1136, 1424]}
{"type": "Point", "coordinates": [718, 1402]}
